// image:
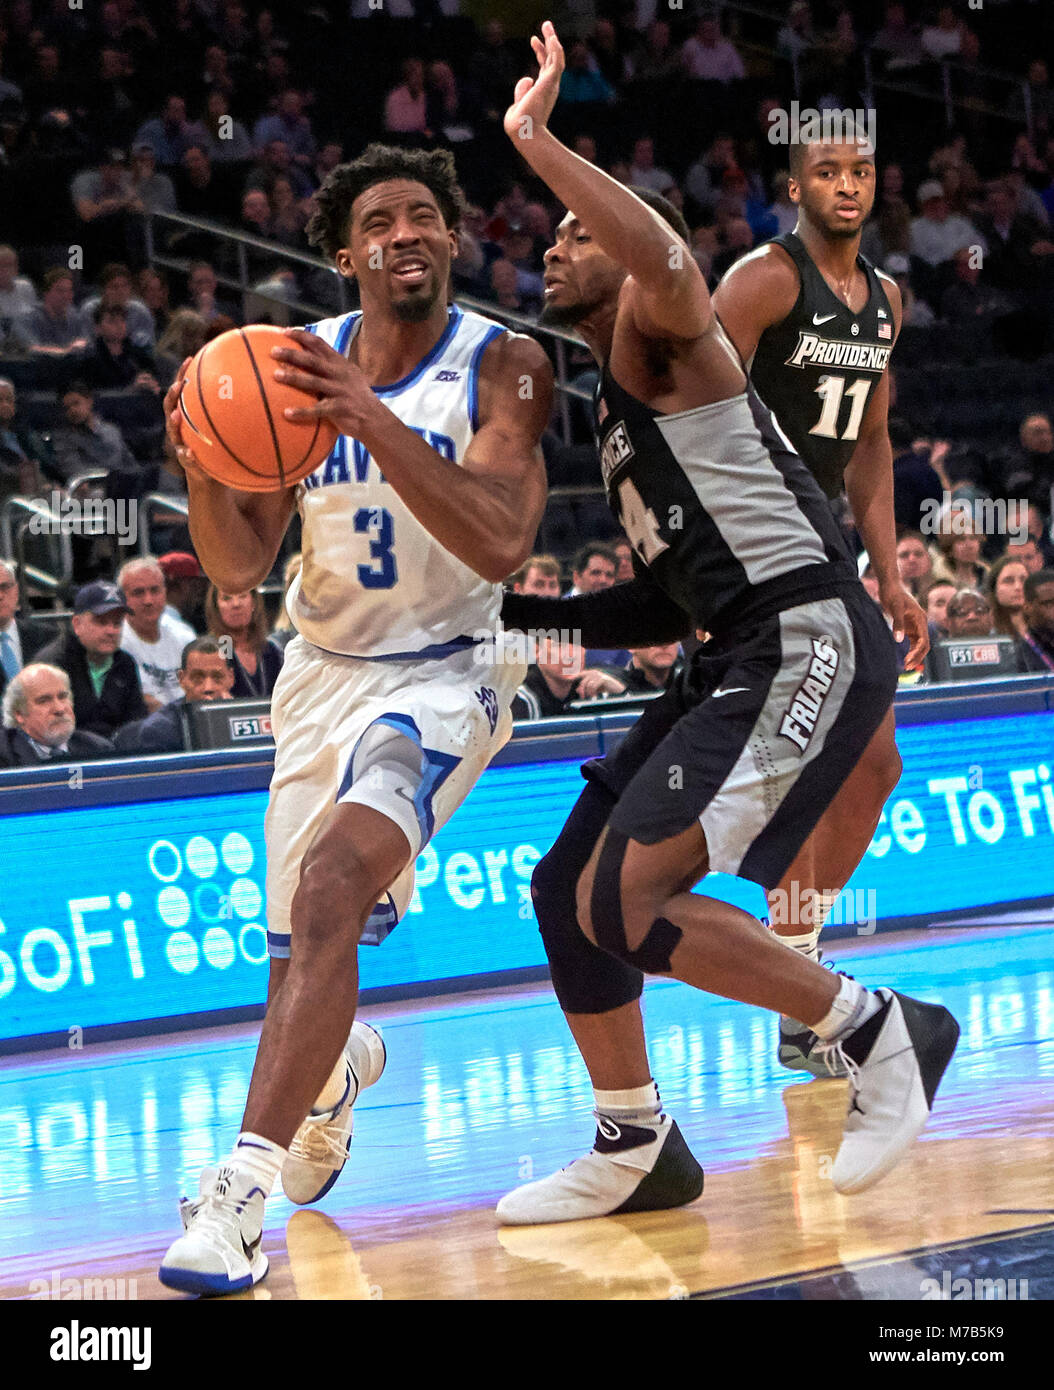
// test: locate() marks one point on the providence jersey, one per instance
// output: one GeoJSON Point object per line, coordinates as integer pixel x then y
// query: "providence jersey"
{"type": "Point", "coordinates": [817, 369]}
{"type": "Point", "coordinates": [715, 502]}
{"type": "Point", "coordinates": [375, 583]}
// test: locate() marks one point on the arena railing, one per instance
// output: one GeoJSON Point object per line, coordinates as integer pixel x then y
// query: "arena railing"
{"type": "Point", "coordinates": [17, 515]}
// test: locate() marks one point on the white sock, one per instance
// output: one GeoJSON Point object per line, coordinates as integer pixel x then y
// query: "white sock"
{"type": "Point", "coordinates": [852, 1006]}
{"type": "Point", "coordinates": [808, 944]}
{"type": "Point", "coordinates": [640, 1105]}
{"type": "Point", "coordinates": [825, 901]}
{"type": "Point", "coordinates": [332, 1092]}
{"type": "Point", "coordinates": [260, 1157]}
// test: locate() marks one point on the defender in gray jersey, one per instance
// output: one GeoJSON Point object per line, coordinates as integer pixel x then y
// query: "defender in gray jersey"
{"type": "Point", "coordinates": [761, 729]}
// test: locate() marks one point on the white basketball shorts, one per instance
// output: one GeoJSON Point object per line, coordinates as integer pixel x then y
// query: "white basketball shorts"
{"type": "Point", "coordinates": [407, 738]}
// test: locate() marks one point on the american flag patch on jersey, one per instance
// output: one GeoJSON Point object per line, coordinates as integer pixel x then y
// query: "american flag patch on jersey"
{"type": "Point", "coordinates": [885, 330]}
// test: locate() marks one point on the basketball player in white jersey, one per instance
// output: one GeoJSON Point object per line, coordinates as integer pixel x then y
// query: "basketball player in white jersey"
{"type": "Point", "coordinates": [386, 712]}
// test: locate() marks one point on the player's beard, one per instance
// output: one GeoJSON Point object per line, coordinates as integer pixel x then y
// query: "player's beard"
{"type": "Point", "coordinates": [416, 307]}
{"type": "Point", "coordinates": [838, 231]}
{"type": "Point", "coordinates": [555, 315]}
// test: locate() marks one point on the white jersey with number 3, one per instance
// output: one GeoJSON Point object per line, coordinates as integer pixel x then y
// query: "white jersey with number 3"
{"type": "Point", "coordinates": [375, 583]}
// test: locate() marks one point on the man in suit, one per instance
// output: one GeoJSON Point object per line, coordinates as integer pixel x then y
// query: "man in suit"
{"type": "Point", "coordinates": [38, 722]}
{"type": "Point", "coordinates": [104, 680]}
{"type": "Point", "coordinates": [20, 638]}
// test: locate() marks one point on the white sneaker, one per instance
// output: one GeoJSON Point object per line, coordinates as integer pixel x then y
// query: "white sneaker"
{"type": "Point", "coordinates": [219, 1251]}
{"type": "Point", "coordinates": [891, 1088]}
{"type": "Point", "coordinates": [320, 1146]}
{"type": "Point", "coordinates": [653, 1176]}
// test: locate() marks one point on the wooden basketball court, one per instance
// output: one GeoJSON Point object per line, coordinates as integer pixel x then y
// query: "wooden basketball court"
{"type": "Point", "coordinates": [485, 1091]}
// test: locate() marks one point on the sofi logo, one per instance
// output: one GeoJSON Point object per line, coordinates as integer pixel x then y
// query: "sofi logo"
{"type": "Point", "coordinates": [205, 901]}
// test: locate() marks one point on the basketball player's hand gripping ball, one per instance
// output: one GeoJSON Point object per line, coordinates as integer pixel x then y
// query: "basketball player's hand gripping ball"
{"type": "Point", "coordinates": [345, 398]}
{"type": "Point", "coordinates": [535, 97]}
{"type": "Point", "coordinates": [233, 416]}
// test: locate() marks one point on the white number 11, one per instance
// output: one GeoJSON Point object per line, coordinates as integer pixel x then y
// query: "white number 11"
{"type": "Point", "coordinates": [830, 390]}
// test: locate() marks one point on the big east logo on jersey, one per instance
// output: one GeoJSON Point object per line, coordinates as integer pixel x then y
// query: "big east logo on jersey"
{"type": "Point", "coordinates": [799, 722]}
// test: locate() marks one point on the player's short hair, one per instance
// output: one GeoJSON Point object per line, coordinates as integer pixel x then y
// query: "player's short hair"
{"type": "Point", "coordinates": [328, 225]}
{"type": "Point", "coordinates": [852, 131]}
{"type": "Point", "coordinates": [901, 434]}
{"type": "Point", "coordinates": [207, 646]}
{"type": "Point", "coordinates": [586, 552]}
{"type": "Point", "coordinates": [665, 209]}
{"type": "Point", "coordinates": [1033, 582]}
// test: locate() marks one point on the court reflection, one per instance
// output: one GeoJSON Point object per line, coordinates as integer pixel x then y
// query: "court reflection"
{"type": "Point", "coordinates": [484, 1093]}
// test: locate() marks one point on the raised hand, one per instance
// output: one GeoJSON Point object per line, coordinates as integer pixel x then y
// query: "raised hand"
{"type": "Point", "coordinates": [535, 97]}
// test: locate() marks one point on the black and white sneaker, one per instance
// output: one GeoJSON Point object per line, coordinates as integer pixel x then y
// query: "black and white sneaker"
{"type": "Point", "coordinates": [655, 1172]}
{"type": "Point", "coordinates": [799, 1047]}
{"type": "Point", "coordinates": [895, 1063]}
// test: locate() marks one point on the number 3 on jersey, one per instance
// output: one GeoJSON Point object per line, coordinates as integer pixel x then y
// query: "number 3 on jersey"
{"type": "Point", "coordinates": [640, 522]}
{"type": "Point", "coordinates": [831, 390]}
{"type": "Point", "coordinates": [381, 572]}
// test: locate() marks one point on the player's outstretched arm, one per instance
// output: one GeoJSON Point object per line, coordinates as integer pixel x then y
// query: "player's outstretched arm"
{"type": "Point", "coordinates": [668, 295]}
{"type": "Point", "coordinates": [237, 535]}
{"type": "Point", "coordinates": [487, 511]}
{"type": "Point", "coordinates": [636, 614]}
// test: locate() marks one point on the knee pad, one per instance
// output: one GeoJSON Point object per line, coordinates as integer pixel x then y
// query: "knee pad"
{"type": "Point", "coordinates": [654, 952]}
{"type": "Point", "coordinates": [384, 772]}
{"type": "Point", "coordinates": [586, 979]}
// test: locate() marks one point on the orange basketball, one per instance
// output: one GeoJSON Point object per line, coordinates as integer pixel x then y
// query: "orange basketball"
{"type": "Point", "coordinates": [233, 412]}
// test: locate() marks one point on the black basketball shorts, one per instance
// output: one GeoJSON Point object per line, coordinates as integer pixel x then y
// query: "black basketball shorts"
{"type": "Point", "coordinates": [757, 734]}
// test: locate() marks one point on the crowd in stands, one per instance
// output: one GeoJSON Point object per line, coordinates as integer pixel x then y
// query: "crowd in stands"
{"type": "Point", "coordinates": [220, 110]}
{"type": "Point", "coordinates": [134, 654]}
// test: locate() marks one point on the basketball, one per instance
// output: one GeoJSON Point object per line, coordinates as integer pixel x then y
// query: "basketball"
{"type": "Point", "coordinates": [234, 414]}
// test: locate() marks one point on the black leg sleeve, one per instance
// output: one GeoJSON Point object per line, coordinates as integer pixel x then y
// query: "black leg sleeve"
{"type": "Point", "coordinates": [586, 979]}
